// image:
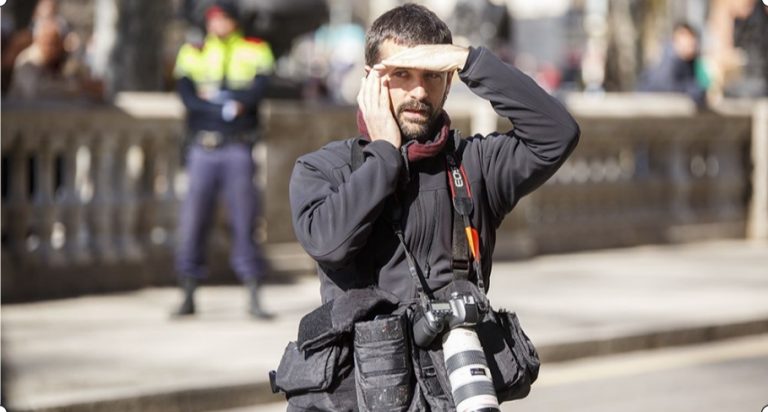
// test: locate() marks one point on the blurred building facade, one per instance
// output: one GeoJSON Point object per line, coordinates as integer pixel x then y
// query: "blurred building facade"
{"type": "Point", "coordinates": [89, 197]}
{"type": "Point", "coordinates": [592, 45]}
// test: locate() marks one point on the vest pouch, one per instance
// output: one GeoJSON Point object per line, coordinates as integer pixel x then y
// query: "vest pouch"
{"type": "Point", "coordinates": [383, 369]}
{"type": "Point", "coordinates": [512, 358]}
{"type": "Point", "coordinates": [301, 372]}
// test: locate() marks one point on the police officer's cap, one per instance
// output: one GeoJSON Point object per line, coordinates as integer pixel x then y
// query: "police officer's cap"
{"type": "Point", "coordinates": [228, 7]}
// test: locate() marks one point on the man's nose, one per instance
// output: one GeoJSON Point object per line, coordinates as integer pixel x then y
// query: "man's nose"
{"type": "Point", "coordinates": [419, 89]}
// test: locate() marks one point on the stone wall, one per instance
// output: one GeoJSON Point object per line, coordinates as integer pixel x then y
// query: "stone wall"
{"type": "Point", "coordinates": [90, 194]}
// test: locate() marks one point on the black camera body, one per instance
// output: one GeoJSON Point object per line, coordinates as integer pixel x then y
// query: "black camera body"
{"type": "Point", "coordinates": [461, 310]}
{"type": "Point", "coordinates": [472, 386]}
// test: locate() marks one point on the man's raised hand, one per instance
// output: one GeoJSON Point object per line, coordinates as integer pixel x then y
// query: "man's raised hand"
{"type": "Point", "coordinates": [375, 105]}
{"type": "Point", "coordinates": [432, 57]}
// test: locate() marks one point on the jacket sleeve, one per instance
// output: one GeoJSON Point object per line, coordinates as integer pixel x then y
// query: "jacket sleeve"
{"type": "Point", "coordinates": [516, 162]}
{"type": "Point", "coordinates": [332, 221]}
{"type": "Point", "coordinates": [194, 104]}
{"type": "Point", "coordinates": [252, 96]}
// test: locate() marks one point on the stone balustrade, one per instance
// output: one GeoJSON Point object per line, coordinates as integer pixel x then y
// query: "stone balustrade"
{"type": "Point", "coordinates": [90, 195]}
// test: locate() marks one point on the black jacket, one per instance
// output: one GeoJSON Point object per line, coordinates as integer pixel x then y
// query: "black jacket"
{"type": "Point", "coordinates": [339, 216]}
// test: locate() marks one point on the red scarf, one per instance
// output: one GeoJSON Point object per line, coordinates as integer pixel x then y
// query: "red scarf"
{"type": "Point", "coordinates": [417, 150]}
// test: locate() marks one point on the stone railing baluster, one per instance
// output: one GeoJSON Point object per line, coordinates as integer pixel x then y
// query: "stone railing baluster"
{"type": "Point", "coordinates": [134, 169]}
{"type": "Point", "coordinates": [74, 195]}
{"type": "Point", "coordinates": [93, 194]}
{"type": "Point", "coordinates": [57, 175]}
{"type": "Point", "coordinates": [42, 196]}
{"type": "Point", "coordinates": [102, 207]}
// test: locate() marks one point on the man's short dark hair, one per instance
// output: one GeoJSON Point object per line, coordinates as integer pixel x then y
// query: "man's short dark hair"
{"type": "Point", "coordinates": [408, 25]}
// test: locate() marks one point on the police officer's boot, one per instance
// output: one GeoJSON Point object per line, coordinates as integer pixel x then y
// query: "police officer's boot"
{"type": "Point", "coordinates": [188, 286]}
{"type": "Point", "coordinates": [254, 307]}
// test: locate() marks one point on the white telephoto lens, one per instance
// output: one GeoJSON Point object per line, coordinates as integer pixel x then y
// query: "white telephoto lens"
{"type": "Point", "coordinates": [471, 382]}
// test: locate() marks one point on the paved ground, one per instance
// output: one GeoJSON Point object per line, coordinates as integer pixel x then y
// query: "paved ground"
{"type": "Point", "coordinates": [729, 375]}
{"type": "Point", "coordinates": [123, 353]}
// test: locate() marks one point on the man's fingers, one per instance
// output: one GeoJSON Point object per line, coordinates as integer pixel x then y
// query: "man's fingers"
{"type": "Point", "coordinates": [371, 93]}
{"type": "Point", "coordinates": [361, 95]}
{"type": "Point", "coordinates": [374, 89]}
{"type": "Point", "coordinates": [374, 102]}
{"type": "Point", "coordinates": [384, 94]}
{"type": "Point", "coordinates": [368, 96]}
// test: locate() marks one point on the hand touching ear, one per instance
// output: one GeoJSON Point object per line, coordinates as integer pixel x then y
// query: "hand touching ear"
{"type": "Point", "coordinates": [376, 107]}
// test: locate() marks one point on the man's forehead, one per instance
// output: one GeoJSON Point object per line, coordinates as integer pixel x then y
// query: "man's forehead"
{"type": "Point", "coordinates": [390, 48]}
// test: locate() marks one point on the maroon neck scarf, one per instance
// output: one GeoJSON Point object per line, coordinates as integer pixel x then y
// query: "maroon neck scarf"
{"type": "Point", "coordinates": [417, 150]}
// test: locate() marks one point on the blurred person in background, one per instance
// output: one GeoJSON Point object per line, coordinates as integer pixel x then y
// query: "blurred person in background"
{"type": "Point", "coordinates": [680, 69]}
{"type": "Point", "coordinates": [739, 47]}
{"type": "Point", "coordinates": [46, 70]}
{"type": "Point", "coordinates": [221, 82]}
{"type": "Point", "coordinates": [16, 39]}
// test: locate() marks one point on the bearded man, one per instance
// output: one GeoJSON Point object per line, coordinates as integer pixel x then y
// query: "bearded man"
{"type": "Point", "coordinates": [374, 222]}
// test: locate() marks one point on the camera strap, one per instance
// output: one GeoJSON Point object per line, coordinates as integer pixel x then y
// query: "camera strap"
{"type": "Point", "coordinates": [465, 237]}
{"type": "Point", "coordinates": [422, 287]}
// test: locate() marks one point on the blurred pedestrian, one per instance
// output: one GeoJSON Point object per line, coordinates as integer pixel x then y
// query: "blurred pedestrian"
{"type": "Point", "coordinates": [46, 71]}
{"type": "Point", "coordinates": [738, 49]}
{"type": "Point", "coordinates": [680, 69]}
{"type": "Point", "coordinates": [221, 82]}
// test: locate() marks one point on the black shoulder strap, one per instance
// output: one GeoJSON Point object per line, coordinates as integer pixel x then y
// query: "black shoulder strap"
{"type": "Point", "coordinates": [460, 260]}
{"type": "Point", "coordinates": [466, 240]}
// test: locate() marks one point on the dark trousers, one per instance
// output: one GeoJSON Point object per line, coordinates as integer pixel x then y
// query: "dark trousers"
{"type": "Point", "coordinates": [229, 169]}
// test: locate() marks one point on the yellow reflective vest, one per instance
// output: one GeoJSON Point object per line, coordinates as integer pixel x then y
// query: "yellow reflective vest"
{"type": "Point", "coordinates": [237, 58]}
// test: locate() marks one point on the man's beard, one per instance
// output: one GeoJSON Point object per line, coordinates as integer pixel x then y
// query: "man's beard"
{"type": "Point", "coordinates": [420, 130]}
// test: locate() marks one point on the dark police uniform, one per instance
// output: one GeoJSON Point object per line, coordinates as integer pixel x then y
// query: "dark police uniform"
{"type": "Point", "coordinates": [211, 78]}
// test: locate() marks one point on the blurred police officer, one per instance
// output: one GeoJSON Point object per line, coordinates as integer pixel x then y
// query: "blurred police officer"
{"type": "Point", "coordinates": [221, 83]}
